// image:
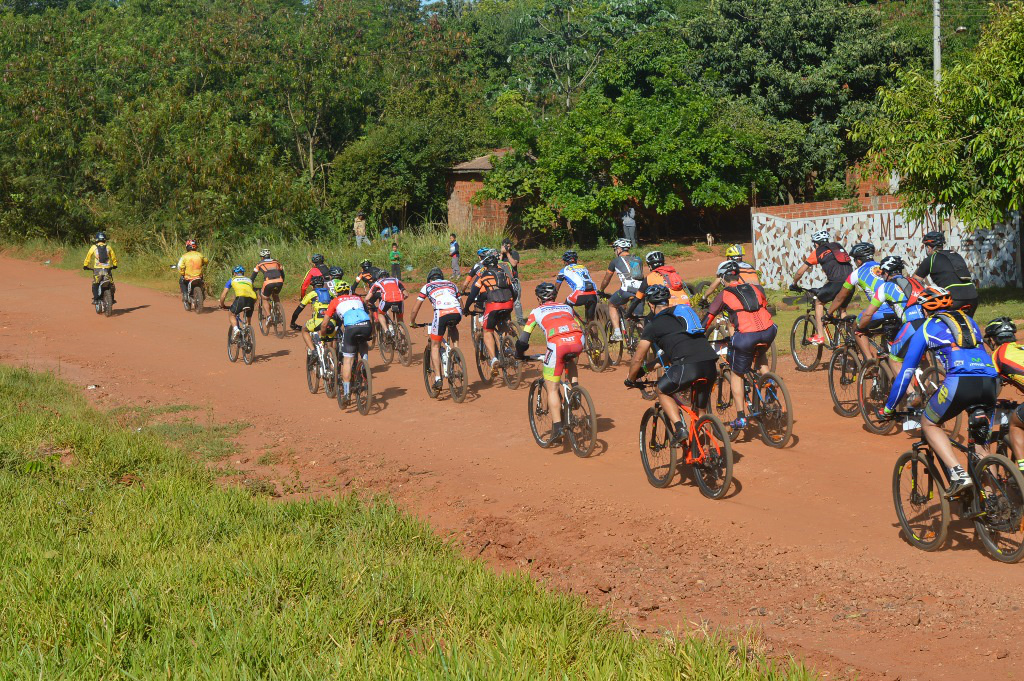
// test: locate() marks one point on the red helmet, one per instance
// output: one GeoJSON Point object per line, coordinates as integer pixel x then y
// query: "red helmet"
{"type": "Point", "coordinates": [191, 245]}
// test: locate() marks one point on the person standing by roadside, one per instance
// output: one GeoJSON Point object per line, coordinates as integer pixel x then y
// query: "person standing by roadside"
{"type": "Point", "coordinates": [629, 225]}
{"type": "Point", "coordinates": [396, 261]}
{"type": "Point", "coordinates": [510, 257]}
{"type": "Point", "coordinates": [359, 227]}
{"type": "Point", "coordinates": [453, 251]}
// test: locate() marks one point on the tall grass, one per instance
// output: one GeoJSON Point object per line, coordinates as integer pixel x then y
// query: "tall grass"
{"type": "Point", "coordinates": [123, 560]}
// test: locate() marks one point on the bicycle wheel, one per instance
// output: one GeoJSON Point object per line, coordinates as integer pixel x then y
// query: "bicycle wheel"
{"type": "Point", "coordinates": [263, 319]}
{"type": "Point", "coordinates": [312, 373]}
{"type": "Point", "coordinates": [539, 414]}
{"type": "Point", "coordinates": [711, 454]}
{"type": "Point", "coordinates": [873, 384]}
{"type": "Point", "coordinates": [277, 319]}
{"type": "Point", "coordinates": [931, 381]}
{"type": "Point", "coordinates": [428, 373]}
{"type": "Point", "coordinates": [580, 422]}
{"type": "Point", "coordinates": [386, 342]}
{"type": "Point", "coordinates": [805, 354]}
{"type": "Point", "coordinates": [776, 411]}
{"type": "Point", "coordinates": [458, 375]}
{"type": "Point", "coordinates": [233, 347]}
{"type": "Point", "coordinates": [362, 385]}
{"type": "Point", "coordinates": [330, 372]}
{"type": "Point", "coordinates": [1001, 524]}
{"type": "Point", "coordinates": [773, 357]}
{"type": "Point", "coordinates": [198, 298]}
{"type": "Point", "coordinates": [511, 368]}
{"type": "Point", "coordinates": [108, 302]}
{"type": "Point", "coordinates": [403, 344]}
{"type": "Point", "coordinates": [657, 453]}
{"type": "Point", "coordinates": [483, 368]}
{"type": "Point", "coordinates": [921, 509]}
{"type": "Point", "coordinates": [616, 348]}
{"type": "Point", "coordinates": [843, 369]}
{"type": "Point", "coordinates": [248, 345]}
{"type": "Point", "coordinates": [726, 407]}
{"type": "Point", "coordinates": [595, 348]}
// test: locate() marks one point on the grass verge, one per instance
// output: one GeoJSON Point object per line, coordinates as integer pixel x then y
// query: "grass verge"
{"type": "Point", "coordinates": [123, 559]}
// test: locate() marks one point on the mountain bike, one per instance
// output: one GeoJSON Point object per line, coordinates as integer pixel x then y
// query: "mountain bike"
{"type": "Point", "coordinates": [361, 386]}
{"type": "Point", "coordinates": [322, 366]}
{"type": "Point", "coordinates": [393, 337]}
{"type": "Point", "coordinates": [806, 354]}
{"type": "Point", "coordinates": [595, 349]}
{"type": "Point", "coordinates": [766, 401]}
{"type": "Point", "coordinates": [707, 448]}
{"type": "Point", "coordinates": [630, 329]}
{"type": "Point", "coordinates": [874, 383]}
{"type": "Point", "coordinates": [273, 318]}
{"type": "Point", "coordinates": [579, 424]}
{"type": "Point", "coordinates": [844, 367]}
{"type": "Point", "coordinates": [994, 503]}
{"type": "Point", "coordinates": [105, 303]}
{"type": "Point", "coordinates": [506, 333]}
{"type": "Point", "coordinates": [244, 343]}
{"type": "Point", "coordinates": [721, 330]}
{"type": "Point", "coordinates": [1000, 430]}
{"type": "Point", "coordinates": [453, 369]}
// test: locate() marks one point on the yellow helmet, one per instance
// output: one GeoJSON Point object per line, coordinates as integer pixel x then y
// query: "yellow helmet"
{"type": "Point", "coordinates": [734, 251]}
{"type": "Point", "coordinates": [338, 287]}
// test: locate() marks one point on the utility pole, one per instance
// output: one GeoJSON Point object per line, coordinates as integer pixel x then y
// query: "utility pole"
{"type": "Point", "coordinates": [936, 41]}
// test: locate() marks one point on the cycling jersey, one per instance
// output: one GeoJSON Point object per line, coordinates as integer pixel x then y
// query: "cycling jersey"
{"type": "Point", "coordinates": [387, 290]}
{"type": "Point", "coordinates": [747, 306]}
{"type": "Point", "coordinates": [348, 309]}
{"type": "Point", "coordinates": [241, 287]}
{"type": "Point", "coordinates": [630, 271]}
{"type": "Point", "coordinates": [562, 333]}
{"type": "Point", "coordinates": [272, 271]}
{"type": "Point", "coordinates": [900, 294]}
{"type": "Point", "coordinates": [100, 257]}
{"type": "Point", "coordinates": [314, 271]}
{"type": "Point", "coordinates": [748, 275]}
{"type": "Point", "coordinates": [190, 265]}
{"type": "Point", "coordinates": [444, 298]}
{"type": "Point", "coordinates": [833, 260]}
{"type": "Point", "coordinates": [868, 277]}
{"type": "Point", "coordinates": [1008, 360]}
{"type": "Point", "coordinates": [577, 277]}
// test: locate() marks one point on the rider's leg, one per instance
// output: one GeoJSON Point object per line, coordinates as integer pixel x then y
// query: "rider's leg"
{"type": "Point", "coordinates": [435, 358]}
{"type": "Point", "coordinates": [864, 343]}
{"type": "Point", "coordinates": [183, 285]}
{"type": "Point", "coordinates": [554, 403]}
{"type": "Point", "coordinates": [491, 345]}
{"type": "Point", "coordinates": [739, 399]}
{"type": "Point", "coordinates": [668, 403]}
{"type": "Point", "coordinates": [346, 373]}
{"type": "Point", "coordinates": [1017, 434]}
{"type": "Point", "coordinates": [308, 340]}
{"type": "Point", "coordinates": [939, 442]}
{"type": "Point", "coordinates": [613, 315]}
{"type": "Point", "coordinates": [819, 311]}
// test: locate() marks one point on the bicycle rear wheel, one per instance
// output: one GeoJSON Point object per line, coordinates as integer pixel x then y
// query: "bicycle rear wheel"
{"type": "Point", "coordinates": [539, 413]}
{"type": "Point", "coordinates": [615, 348]}
{"type": "Point", "coordinates": [428, 373]}
{"type": "Point", "coordinates": [362, 385]}
{"type": "Point", "coordinates": [594, 347]}
{"type": "Point", "coordinates": [921, 508]}
{"type": "Point", "coordinates": [842, 381]}
{"type": "Point", "coordinates": [277, 319]}
{"type": "Point", "coordinates": [233, 347]}
{"type": "Point", "coordinates": [511, 368]}
{"type": "Point", "coordinates": [1001, 526]}
{"type": "Point", "coordinates": [312, 373]}
{"type": "Point", "coordinates": [330, 371]}
{"type": "Point", "coordinates": [248, 345]}
{"type": "Point", "coordinates": [711, 453]}
{"type": "Point", "coordinates": [458, 375]}
{"type": "Point", "coordinates": [805, 354]}
{"type": "Point", "coordinates": [776, 411]}
{"type": "Point", "coordinates": [198, 298]}
{"type": "Point", "coordinates": [657, 453]}
{"type": "Point", "coordinates": [263, 319]}
{"type": "Point", "coordinates": [403, 344]}
{"type": "Point", "coordinates": [483, 368]}
{"type": "Point", "coordinates": [108, 302]}
{"type": "Point", "coordinates": [725, 403]}
{"type": "Point", "coordinates": [385, 344]}
{"type": "Point", "coordinates": [873, 385]}
{"type": "Point", "coordinates": [580, 422]}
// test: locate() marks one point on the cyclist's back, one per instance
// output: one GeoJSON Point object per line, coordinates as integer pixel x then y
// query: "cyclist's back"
{"type": "Point", "coordinates": [273, 275]}
{"type": "Point", "coordinates": [562, 333]}
{"type": "Point", "coordinates": [1008, 360]}
{"type": "Point", "coordinates": [191, 264]}
{"type": "Point", "coordinates": [444, 299]}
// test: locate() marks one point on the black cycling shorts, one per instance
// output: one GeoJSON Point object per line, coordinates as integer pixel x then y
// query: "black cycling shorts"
{"type": "Point", "coordinates": [620, 298]}
{"type": "Point", "coordinates": [588, 301]}
{"type": "Point", "coordinates": [743, 348]}
{"type": "Point", "coordinates": [829, 291]}
{"type": "Point", "coordinates": [243, 303]}
{"type": "Point", "coordinates": [968, 305]}
{"type": "Point", "coordinates": [272, 289]}
{"type": "Point", "coordinates": [354, 336]}
{"type": "Point", "coordinates": [699, 376]}
{"type": "Point", "coordinates": [958, 393]}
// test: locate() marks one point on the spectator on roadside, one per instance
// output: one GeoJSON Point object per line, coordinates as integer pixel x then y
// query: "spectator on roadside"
{"type": "Point", "coordinates": [396, 261]}
{"type": "Point", "coordinates": [510, 256]}
{"type": "Point", "coordinates": [629, 225]}
{"type": "Point", "coordinates": [391, 231]}
{"type": "Point", "coordinates": [359, 227]}
{"type": "Point", "coordinates": [453, 251]}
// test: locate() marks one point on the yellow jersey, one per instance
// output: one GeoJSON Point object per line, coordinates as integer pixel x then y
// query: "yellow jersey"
{"type": "Point", "coordinates": [191, 265]}
{"type": "Point", "coordinates": [321, 300]}
{"type": "Point", "coordinates": [1009, 361]}
{"type": "Point", "coordinates": [241, 287]}
{"type": "Point", "coordinates": [100, 257]}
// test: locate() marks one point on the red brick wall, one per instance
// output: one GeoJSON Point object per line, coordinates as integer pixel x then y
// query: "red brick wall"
{"type": "Point", "coordinates": [463, 215]}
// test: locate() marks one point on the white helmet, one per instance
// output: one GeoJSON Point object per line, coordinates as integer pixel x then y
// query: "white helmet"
{"type": "Point", "coordinates": [265, 253]}
{"type": "Point", "coordinates": [820, 237]}
{"type": "Point", "coordinates": [624, 244]}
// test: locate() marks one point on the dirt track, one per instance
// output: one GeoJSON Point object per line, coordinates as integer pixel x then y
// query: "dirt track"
{"type": "Point", "coordinates": [807, 551]}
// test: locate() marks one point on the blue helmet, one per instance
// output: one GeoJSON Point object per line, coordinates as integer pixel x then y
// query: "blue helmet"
{"type": "Point", "coordinates": [481, 252]}
{"type": "Point", "coordinates": [238, 269]}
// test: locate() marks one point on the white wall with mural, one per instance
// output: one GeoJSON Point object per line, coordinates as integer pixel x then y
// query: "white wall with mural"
{"type": "Point", "coordinates": [781, 244]}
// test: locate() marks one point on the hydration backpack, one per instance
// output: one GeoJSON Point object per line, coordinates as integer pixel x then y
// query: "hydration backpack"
{"type": "Point", "coordinates": [502, 279]}
{"type": "Point", "coordinates": [672, 278]}
{"type": "Point", "coordinates": [692, 325]}
{"type": "Point", "coordinates": [636, 267]}
{"type": "Point", "coordinates": [912, 287]}
{"type": "Point", "coordinates": [102, 254]}
{"type": "Point", "coordinates": [834, 250]}
{"type": "Point", "coordinates": [959, 324]}
{"type": "Point", "coordinates": [959, 265]}
{"type": "Point", "coordinates": [747, 295]}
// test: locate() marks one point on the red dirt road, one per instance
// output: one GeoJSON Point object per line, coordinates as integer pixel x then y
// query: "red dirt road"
{"type": "Point", "coordinates": [807, 551]}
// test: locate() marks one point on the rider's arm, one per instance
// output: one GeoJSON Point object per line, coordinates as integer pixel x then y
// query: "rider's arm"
{"type": "Point", "coordinates": [638, 298]}
{"type": "Point", "coordinates": [715, 309]}
{"type": "Point", "coordinates": [877, 300]}
{"type": "Point", "coordinates": [224, 293]}
{"type": "Point", "coordinates": [113, 258]}
{"type": "Point", "coordinates": [181, 265]}
{"type": "Point", "coordinates": [604, 280]}
{"type": "Point", "coordinates": [328, 313]}
{"type": "Point", "coordinates": [637, 365]}
{"type": "Point", "coordinates": [474, 292]}
{"type": "Point", "coordinates": [915, 351]}
{"type": "Point", "coordinates": [305, 283]}
{"type": "Point", "coordinates": [924, 270]}
{"type": "Point", "coordinates": [416, 310]}
{"type": "Point", "coordinates": [800, 272]}
{"type": "Point", "coordinates": [710, 290]}
{"type": "Point", "coordinates": [86, 264]}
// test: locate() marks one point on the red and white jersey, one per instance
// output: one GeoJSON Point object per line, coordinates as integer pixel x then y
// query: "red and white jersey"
{"type": "Point", "coordinates": [389, 289]}
{"type": "Point", "coordinates": [556, 319]}
{"type": "Point", "coordinates": [443, 296]}
{"type": "Point", "coordinates": [349, 309]}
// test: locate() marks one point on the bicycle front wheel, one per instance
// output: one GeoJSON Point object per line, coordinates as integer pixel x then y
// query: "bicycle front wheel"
{"type": "Point", "coordinates": [657, 453]}
{"type": "Point", "coordinates": [711, 453]}
{"type": "Point", "coordinates": [921, 508]}
{"type": "Point", "coordinates": [842, 381]}
{"type": "Point", "coordinates": [873, 385]}
{"type": "Point", "coordinates": [580, 422]}
{"type": "Point", "coordinates": [403, 344]}
{"type": "Point", "coordinates": [806, 354]}
{"type": "Point", "coordinates": [458, 375]}
{"type": "Point", "coordinates": [1001, 524]}
{"type": "Point", "coordinates": [776, 411]}
{"type": "Point", "coordinates": [539, 413]}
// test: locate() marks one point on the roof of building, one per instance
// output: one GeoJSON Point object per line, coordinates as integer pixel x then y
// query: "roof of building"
{"type": "Point", "coordinates": [480, 164]}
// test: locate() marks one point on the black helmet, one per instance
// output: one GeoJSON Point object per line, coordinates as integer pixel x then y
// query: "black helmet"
{"type": "Point", "coordinates": [317, 259]}
{"type": "Point", "coordinates": [378, 273]}
{"type": "Point", "coordinates": [935, 239]}
{"type": "Point", "coordinates": [100, 236]}
{"type": "Point", "coordinates": [490, 260]}
{"type": "Point", "coordinates": [570, 257]}
{"type": "Point", "coordinates": [545, 291]}
{"type": "Point", "coordinates": [892, 264]}
{"type": "Point", "coordinates": [862, 251]}
{"type": "Point", "coordinates": [317, 281]}
{"type": "Point", "coordinates": [366, 265]}
{"type": "Point", "coordinates": [658, 294]}
{"type": "Point", "coordinates": [335, 272]}
{"type": "Point", "coordinates": [1001, 330]}
{"type": "Point", "coordinates": [435, 274]}
{"type": "Point", "coordinates": [655, 259]}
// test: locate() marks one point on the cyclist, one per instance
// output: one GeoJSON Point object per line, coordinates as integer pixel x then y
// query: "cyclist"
{"type": "Point", "coordinates": [971, 379]}
{"type": "Point", "coordinates": [365, 276]}
{"type": "Point", "coordinates": [190, 267]}
{"type": "Point", "coordinates": [748, 275]}
{"type": "Point", "coordinates": [467, 281]}
{"type": "Point", "coordinates": [101, 259]}
{"type": "Point", "coordinates": [904, 297]}
{"type": "Point", "coordinates": [319, 269]}
{"type": "Point", "coordinates": [583, 292]}
{"type": "Point", "coordinates": [347, 310]}
{"type": "Point", "coordinates": [689, 360]}
{"type": "Point", "coordinates": [747, 307]}
{"type": "Point", "coordinates": [245, 297]}
{"type": "Point", "coordinates": [273, 279]}
{"type": "Point", "coordinates": [630, 271]}
{"type": "Point", "coordinates": [493, 288]}
{"type": "Point", "coordinates": [320, 298]}
{"type": "Point", "coordinates": [1008, 358]}
{"type": "Point", "coordinates": [564, 338]}
{"type": "Point", "coordinates": [948, 270]}
{"type": "Point", "coordinates": [387, 293]}
{"type": "Point", "coordinates": [867, 276]}
{"type": "Point", "coordinates": [444, 298]}
{"type": "Point", "coordinates": [835, 263]}
{"type": "Point", "coordinates": [660, 274]}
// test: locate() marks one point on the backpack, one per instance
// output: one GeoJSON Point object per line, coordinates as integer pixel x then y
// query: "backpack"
{"type": "Point", "coordinates": [102, 254]}
{"type": "Point", "coordinates": [636, 267]}
{"type": "Point", "coordinates": [672, 278]}
{"type": "Point", "coordinates": [960, 326]}
{"type": "Point", "coordinates": [912, 287]}
{"type": "Point", "coordinates": [835, 250]}
{"type": "Point", "coordinates": [502, 279]}
{"type": "Point", "coordinates": [692, 325]}
{"type": "Point", "coordinates": [747, 295]}
{"type": "Point", "coordinates": [959, 265]}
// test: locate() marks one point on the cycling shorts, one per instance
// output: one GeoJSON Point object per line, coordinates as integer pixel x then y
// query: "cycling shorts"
{"type": "Point", "coordinates": [830, 290]}
{"type": "Point", "coordinates": [744, 347]}
{"type": "Point", "coordinates": [443, 322]}
{"type": "Point", "coordinates": [960, 392]}
{"type": "Point", "coordinates": [898, 346]}
{"type": "Point", "coordinates": [384, 306]}
{"type": "Point", "coordinates": [355, 336]}
{"type": "Point", "coordinates": [271, 288]}
{"type": "Point", "coordinates": [495, 313]}
{"type": "Point", "coordinates": [621, 298]}
{"type": "Point", "coordinates": [698, 376]}
{"type": "Point", "coordinates": [968, 305]}
{"type": "Point", "coordinates": [587, 299]}
{"type": "Point", "coordinates": [561, 348]}
{"type": "Point", "coordinates": [243, 303]}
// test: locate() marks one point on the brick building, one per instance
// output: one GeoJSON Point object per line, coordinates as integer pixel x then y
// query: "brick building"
{"type": "Point", "coordinates": [464, 181]}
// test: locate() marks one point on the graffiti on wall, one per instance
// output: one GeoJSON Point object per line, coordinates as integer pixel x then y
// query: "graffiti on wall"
{"type": "Point", "coordinates": [780, 245]}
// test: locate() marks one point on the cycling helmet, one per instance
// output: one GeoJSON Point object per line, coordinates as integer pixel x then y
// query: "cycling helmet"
{"type": "Point", "coordinates": [935, 299]}
{"type": "Point", "coordinates": [317, 259]}
{"type": "Point", "coordinates": [862, 251]}
{"type": "Point", "coordinates": [435, 274]}
{"type": "Point", "coordinates": [366, 266]}
{"type": "Point", "coordinates": [265, 253]}
{"type": "Point", "coordinates": [490, 259]}
{"type": "Point", "coordinates": [892, 264]}
{"type": "Point", "coordinates": [378, 273]}
{"type": "Point", "coordinates": [335, 272]}
{"type": "Point", "coordinates": [570, 257]}
{"type": "Point", "coordinates": [820, 237]}
{"type": "Point", "coordinates": [338, 287]}
{"type": "Point", "coordinates": [317, 282]}
{"type": "Point", "coordinates": [624, 244]}
{"type": "Point", "coordinates": [734, 251]}
{"type": "Point", "coordinates": [481, 252]}
{"type": "Point", "coordinates": [935, 239]}
{"type": "Point", "coordinates": [191, 245]}
{"type": "Point", "coordinates": [657, 294]}
{"type": "Point", "coordinates": [100, 236]}
{"type": "Point", "coordinates": [238, 269]}
{"type": "Point", "coordinates": [655, 259]}
{"type": "Point", "coordinates": [728, 267]}
{"type": "Point", "coordinates": [1001, 330]}
{"type": "Point", "coordinates": [545, 291]}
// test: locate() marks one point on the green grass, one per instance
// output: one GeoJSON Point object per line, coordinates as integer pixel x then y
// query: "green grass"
{"type": "Point", "coordinates": [123, 560]}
